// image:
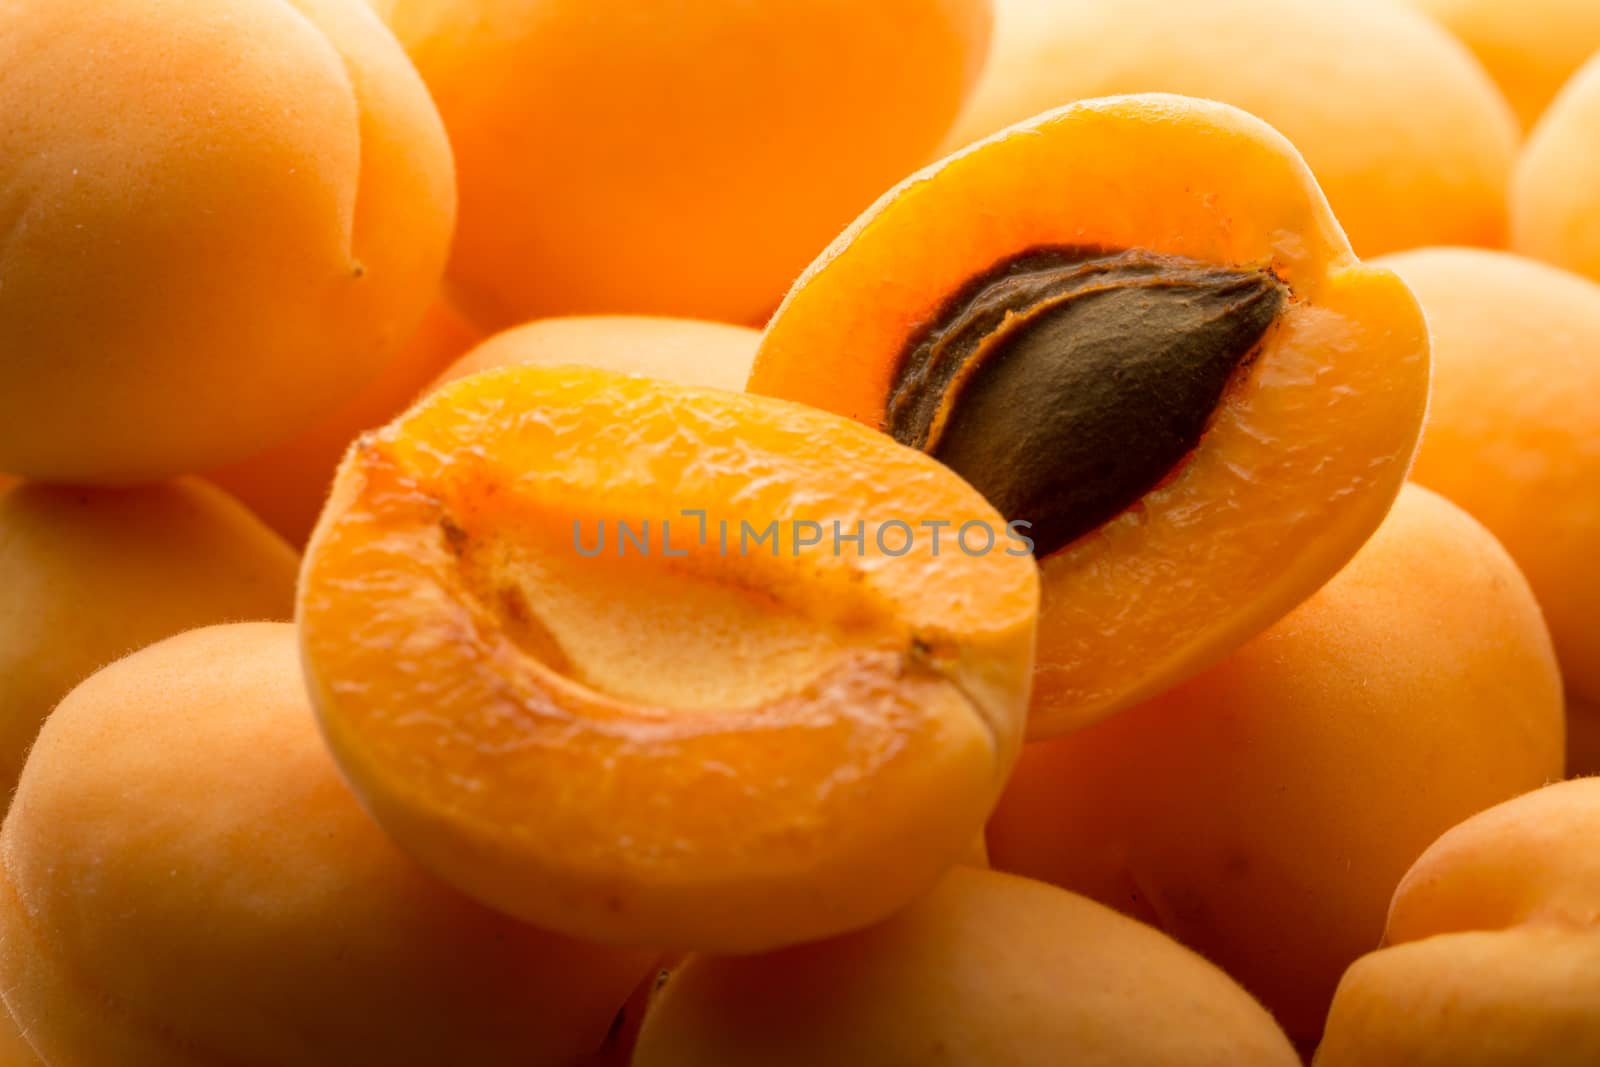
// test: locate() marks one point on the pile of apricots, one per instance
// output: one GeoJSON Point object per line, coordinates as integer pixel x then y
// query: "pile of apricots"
{"type": "Point", "coordinates": [910, 533]}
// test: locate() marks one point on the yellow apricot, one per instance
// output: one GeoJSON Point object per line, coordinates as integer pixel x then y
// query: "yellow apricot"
{"type": "Point", "coordinates": [1555, 190]}
{"type": "Point", "coordinates": [1493, 947]}
{"type": "Point", "coordinates": [1404, 130]}
{"type": "Point", "coordinates": [686, 351]}
{"type": "Point", "coordinates": [676, 159]}
{"type": "Point", "coordinates": [1263, 812]}
{"type": "Point", "coordinates": [1513, 430]}
{"type": "Point", "coordinates": [1530, 48]}
{"type": "Point", "coordinates": [185, 881]}
{"type": "Point", "coordinates": [92, 574]}
{"type": "Point", "coordinates": [220, 218]}
{"type": "Point", "coordinates": [987, 969]}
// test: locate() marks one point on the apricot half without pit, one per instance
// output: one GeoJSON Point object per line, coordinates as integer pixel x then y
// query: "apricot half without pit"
{"type": "Point", "coordinates": [555, 665]}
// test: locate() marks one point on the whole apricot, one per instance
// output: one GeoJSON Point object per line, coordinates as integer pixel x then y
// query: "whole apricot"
{"type": "Point", "coordinates": [1513, 432]}
{"type": "Point", "coordinates": [220, 218]}
{"type": "Point", "coordinates": [687, 351]}
{"type": "Point", "coordinates": [676, 159]}
{"type": "Point", "coordinates": [1406, 133]}
{"type": "Point", "coordinates": [986, 970]}
{"type": "Point", "coordinates": [1555, 191]}
{"type": "Point", "coordinates": [1263, 812]}
{"type": "Point", "coordinates": [90, 575]}
{"type": "Point", "coordinates": [182, 849]}
{"type": "Point", "coordinates": [1492, 954]}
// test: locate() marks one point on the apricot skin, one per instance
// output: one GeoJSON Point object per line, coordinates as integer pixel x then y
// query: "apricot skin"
{"type": "Point", "coordinates": [1555, 192]}
{"type": "Point", "coordinates": [676, 159]}
{"type": "Point", "coordinates": [92, 574]}
{"type": "Point", "coordinates": [987, 970]}
{"type": "Point", "coordinates": [1263, 812]}
{"type": "Point", "coordinates": [1513, 430]}
{"type": "Point", "coordinates": [185, 880]}
{"type": "Point", "coordinates": [221, 217]}
{"type": "Point", "coordinates": [686, 351]}
{"type": "Point", "coordinates": [1325, 75]}
{"type": "Point", "coordinates": [1493, 947]}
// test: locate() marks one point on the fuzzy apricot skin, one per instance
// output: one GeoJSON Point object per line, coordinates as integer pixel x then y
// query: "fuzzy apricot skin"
{"type": "Point", "coordinates": [1555, 192]}
{"type": "Point", "coordinates": [676, 159]}
{"type": "Point", "coordinates": [1326, 75]}
{"type": "Point", "coordinates": [92, 574]}
{"type": "Point", "coordinates": [987, 969]}
{"type": "Point", "coordinates": [1492, 955]}
{"type": "Point", "coordinates": [1305, 453]}
{"type": "Point", "coordinates": [221, 218]}
{"type": "Point", "coordinates": [1513, 431]}
{"type": "Point", "coordinates": [288, 484]}
{"type": "Point", "coordinates": [182, 850]}
{"type": "Point", "coordinates": [687, 351]}
{"type": "Point", "coordinates": [1530, 49]}
{"type": "Point", "coordinates": [1263, 812]}
{"type": "Point", "coordinates": [468, 673]}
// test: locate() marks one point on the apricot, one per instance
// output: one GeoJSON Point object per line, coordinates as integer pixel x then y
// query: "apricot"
{"type": "Point", "coordinates": [288, 484]}
{"type": "Point", "coordinates": [1513, 432]}
{"type": "Point", "coordinates": [221, 217]}
{"type": "Point", "coordinates": [1263, 812]}
{"type": "Point", "coordinates": [702, 740]}
{"type": "Point", "coordinates": [676, 159]}
{"type": "Point", "coordinates": [14, 1048]}
{"type": "Point", "coordinates": [686, 351]}
{"type": "Point", "coordinates": [92, 574]}
{"type": "Point", "coordinates": [1178, 374]}
{"type": "Point", "coordinates": [185, 880]}
{"type": "Point", "coordinates": [1530, 49]}
{"type": "Point", "coordinates": [1405, 131]}
{"type": "Point", "coordinates": [985, 970]}
{"type": "Point", "coordinates": [1555, 192]}
{"type": "Point", "coordinates": [1493, 947]}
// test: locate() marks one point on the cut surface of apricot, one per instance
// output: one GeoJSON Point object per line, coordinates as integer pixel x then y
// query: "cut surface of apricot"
{"type": "Point", "coordinates": [1179, 375]}
{"type": "Point", "coordinates": [564, 699]}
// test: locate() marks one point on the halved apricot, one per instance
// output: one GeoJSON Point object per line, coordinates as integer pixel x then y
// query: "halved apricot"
{"type": "Point", "coordinates": [568, 697]}
{"type": "Point", "coordinates": [1134, 324]}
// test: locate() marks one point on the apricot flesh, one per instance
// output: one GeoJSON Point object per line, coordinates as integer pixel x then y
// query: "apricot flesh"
{"type": "Point", "coordinates": [676, 159]}
{"type": "Point", "coordinates": [198, 261]}
{"type": "Point", "coordinates": [1513, 430]}
{"type": "Point", "coordinates": [1328, 76]}
{"type": "Point", "coordinates": [1555, 192]}
{"type": "Point", "coordinates": [1089, 285]}
{"type": "Point", "coordinates": [1492, 954]}
{"type": "Point", "coordinates": [686, 351]}
{"type": "Point", "coordinates": [92, 574]}
{"type": "Point", "coordinates": [985, 970]}
{"type": "Point", "coordinates": [182, 850]}
{"type": "Point", "coordinates": [1263, 812]}
{"type": "Point", "coordinates": [561, 725]}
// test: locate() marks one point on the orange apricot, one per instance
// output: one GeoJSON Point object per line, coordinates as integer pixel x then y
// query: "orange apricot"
{"type": "Point", "coordinates": [1513, 431]}
{"type": "Point", "coordinates": [92, 574]}
{"type": "Point", "coordinates": [1555, 191]}
{"type": "Point", "coordinates": [1263, 812]}
{"type": "Point", "coordinates": [676, 159]}
{"type": "Point", "coordinates": [1492, 954]}
{"type": "Point", "coordinates": [1529, 48]}
{"type": "Point", "coordinates": [987, 969]}
{"type": "Point", "coordinates": [14, 1048]}
{"type": "Point", "coordinates": [1177, 373]}
{"type": "Point", "coordinates": [1404, 130]}
{"type": "Point", "coordinates": [687, 351]}
{"type": "Point", "coordinates": [186, 881]}
{"type": "Point", "coordinates": [288, 484]}
{"type": "Point", "coordinates": [221, 217]}
{"type": "Point", "coordinates": [773, 722]}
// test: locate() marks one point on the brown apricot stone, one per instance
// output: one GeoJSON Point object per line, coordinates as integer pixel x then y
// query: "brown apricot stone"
{"type": "Point", "coordinates": [1178, 378]}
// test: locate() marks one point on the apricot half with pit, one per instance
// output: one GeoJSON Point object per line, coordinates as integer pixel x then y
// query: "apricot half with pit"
{"type": "Point", "coordinates": [664, 665]}
{"type": "Point", "coordinates": [1176, 372]}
